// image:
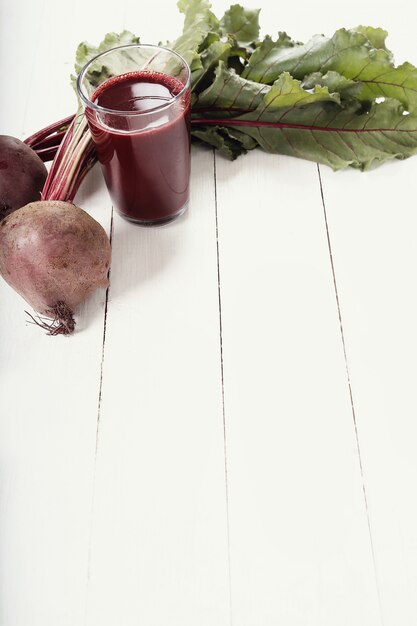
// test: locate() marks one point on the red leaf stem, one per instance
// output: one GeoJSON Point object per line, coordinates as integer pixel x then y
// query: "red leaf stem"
{"type": "Point", "coordinates": [47, 154]}
{"type": "Point", "coordinates": [40, 135]}
{"type": "Point", "coordinates": [51, 141]}
{"type": "Point", "coordinates": [261, 124]}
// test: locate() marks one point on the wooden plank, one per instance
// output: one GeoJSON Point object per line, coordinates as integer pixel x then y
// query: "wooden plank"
{"type": "Point", "coordinates": [159, 540]}
{"type": "Point", "coordinates": [49, 386]}
{"type": "Point", "coordinates": [48, 410]}
{"type": "Point", "coordinates": [17, 62]}
{"type": "Point", "coordinates": [299, 540]}
{"type": "Point", "coordinates": [372, 226]}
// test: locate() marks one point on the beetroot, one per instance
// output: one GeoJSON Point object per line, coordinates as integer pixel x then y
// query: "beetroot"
{"type": "Point", "coordinates": [22, 175]}
{"type": "Point", "coordinates": [54, 255]}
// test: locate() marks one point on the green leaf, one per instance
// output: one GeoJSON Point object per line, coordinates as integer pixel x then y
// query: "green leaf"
{"type": "Point", "coordinates": [376, 36]}
{"type": "Point", "coordinates": [348, 52]}
{"type": "Point", "coordinates": [334, 82]}
{"type": "Point", "coordinates": [260, 65]}
{"type": "Point", "coordinates": [199, 21]}
{"type": "Point", "coordinates": [230, 91]}
{"type": "Point", "coordinates": [313, 125]}
{"type": "Point", "coordinates": [339, 137]}
{"type": "Point", "coordinates": [85, 51]}
{"type": "Point", "coordinates": [287, 92]}
{"type": "Point", "coordinates": [221, 139]}
{"type": "Point", "coordinates": [318, 55]}
{"type": "Point", "coordinates": [247, 142]}
{"type": "Point", "coordinates": [210, 58]}
{"type": "Point", "coordinates": [242, 23]}
{"type": "Point", "coordinates": [99, 72]}
{"type": "Point", "coordinates": [382, 79]}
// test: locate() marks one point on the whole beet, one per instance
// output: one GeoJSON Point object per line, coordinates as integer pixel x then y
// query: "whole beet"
{"type": "Point", "coordinates": [54, 255]}
{"type": "Point", "coordinates": [22, 175]}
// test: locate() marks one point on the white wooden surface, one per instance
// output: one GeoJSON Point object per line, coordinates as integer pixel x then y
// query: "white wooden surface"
{"type": "Point", "coordinates": [232, 439]}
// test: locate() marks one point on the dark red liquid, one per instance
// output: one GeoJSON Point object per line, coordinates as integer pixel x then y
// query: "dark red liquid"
{"type": "Point", "coordinates": [145, 156]}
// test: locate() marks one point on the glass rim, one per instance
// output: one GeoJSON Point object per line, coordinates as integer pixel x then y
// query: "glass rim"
{"type": "Point", "coordinates": [93, 105]}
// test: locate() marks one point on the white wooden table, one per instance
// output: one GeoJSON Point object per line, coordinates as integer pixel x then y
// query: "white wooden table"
{"type": "Point", "coordinates": [230, 437]}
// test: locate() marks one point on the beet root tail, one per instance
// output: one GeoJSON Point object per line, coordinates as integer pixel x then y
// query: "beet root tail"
{"type": "Point", "coordinates": [60, 320]}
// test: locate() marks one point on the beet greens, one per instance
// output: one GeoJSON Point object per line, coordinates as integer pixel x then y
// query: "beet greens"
{"type": "Point", "coordinates": [336, 100]}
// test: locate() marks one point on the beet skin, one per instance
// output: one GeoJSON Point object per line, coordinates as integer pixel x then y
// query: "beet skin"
{"type": "Point", "coordinates": [22, 175]}
{"type": "Point", "coordinates": [54, 255]}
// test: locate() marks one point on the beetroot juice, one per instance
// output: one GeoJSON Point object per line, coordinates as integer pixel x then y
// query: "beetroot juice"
{"type": "Point", "coordinates": [140, 124]}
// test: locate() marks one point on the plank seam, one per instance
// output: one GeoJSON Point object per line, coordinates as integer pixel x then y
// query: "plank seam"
{"type": "Point", "coordinates": [106, 303]}
{"type": "Point", "coordinates": [352, 404]}
{"type": "Point", "coordinates": [219, 295]}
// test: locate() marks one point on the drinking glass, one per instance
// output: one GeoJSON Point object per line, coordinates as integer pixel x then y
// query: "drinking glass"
{"type": "Point", "coordinates": [137, 100]}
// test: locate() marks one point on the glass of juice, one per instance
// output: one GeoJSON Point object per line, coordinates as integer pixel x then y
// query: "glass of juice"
{"type": "Point", "coordinates": [137, 102]}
